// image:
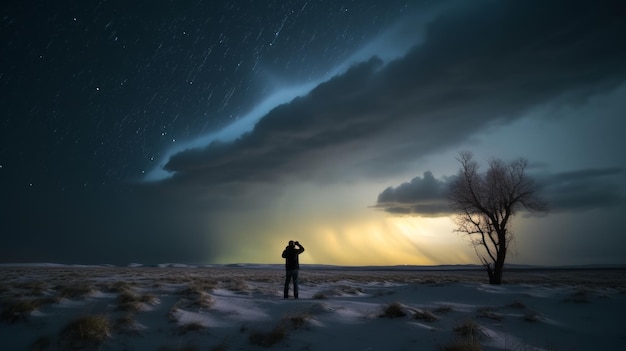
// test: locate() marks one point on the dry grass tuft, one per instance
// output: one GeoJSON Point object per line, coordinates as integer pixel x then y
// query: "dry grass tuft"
{"type": "Point", "coordinates": [532, 317]}
{"type": "Point", "coordinates": [279, 332]}
{"type": "Point", "coordinates": [268, 339]}
{"type": "Point", "coordinates": [88, 332]}
{"type": "Point", "coordinates": [338, 291]}
{"type": "Point", "coordinates": [296, 321]}
{"type": "Point", "coordinates": [196, 295]}
{"type": "Point", "coordinates": [171, 314]}
{"type": "Point", "coordinates": [148, 298]}
{"type": "Point", "coordinates": [32, 287]}
{"type": "Point", "coordinates": [319, 296]}
{"type": "Point", "coordinates": [490, 312]}
{"type": "Point", "coordinates": [469, 329]}
{"type": "Point", "coordinates": [190, 327]}
{"type": "Point", "coordinates": [393, 310]}
{"type": "Point", "coordinates": [14, 311]}
{"type": "Point", "coordinates": [198, 287]}
{"type": "Point", "coordinates": [128, 301]}
{"type": "Point", "coordinates": [469, 335]}
{"type": "Point", "coordinates": [202, 300]}
{"type": "Point", "coordinates": [126, 325]}
{"type": "Point", "coordinates": [74, 291]}
{"type": "Point", "coordinates": [425, 316]}
{"type": "Point", "coordinates": [121, 286]}
{"type": "Point", "coordinates": [351, 290]}
{"type": "Point", "coordinates": [237, 285]}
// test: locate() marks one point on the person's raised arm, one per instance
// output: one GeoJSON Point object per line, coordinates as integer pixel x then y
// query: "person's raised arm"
{"type": "Point", "coordinates": [300, 247]}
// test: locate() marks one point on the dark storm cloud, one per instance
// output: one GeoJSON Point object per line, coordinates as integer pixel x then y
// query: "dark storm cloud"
{"type": "Point", "coordinates": [421, 196]}
{"type": "Point", "coordinates": [583, 189]}
{"type": "Point", "coordinates": [564, 192]}
{"type": "Point", "coordinates": [481, 63]}
{"type": "Point", "coordinates": [303, 130]}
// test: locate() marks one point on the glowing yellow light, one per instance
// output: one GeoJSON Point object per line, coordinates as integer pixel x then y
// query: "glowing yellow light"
{"type": "Point", "coordinates": [337, 233]}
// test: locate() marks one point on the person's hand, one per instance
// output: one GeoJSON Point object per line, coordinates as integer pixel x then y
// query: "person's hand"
{"type": "Point", "coordinates": [297, 243]}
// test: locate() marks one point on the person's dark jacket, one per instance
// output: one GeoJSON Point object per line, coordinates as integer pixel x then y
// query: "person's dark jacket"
{"type": "Point", "coordinates": [291, 257]}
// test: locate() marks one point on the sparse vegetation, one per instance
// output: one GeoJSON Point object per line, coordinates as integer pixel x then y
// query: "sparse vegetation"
{"type": "Point", "coordinates": [32, 287]}
{"type": "Point", "coordinates": [319, 296]}
{"type": "Point", "coordinates": [128, 301]}
{"type": "Point", "coordinates": [190, 327]}
{"type": "Point", "coordinates": [196, 295]}
{"type": "Point", "coordinates": [469, 329]}
{"type": "Point", "coordinates": [296, 321]}
{"type": "Point", "coordinates": [279, 332]}
{"type": "Point", "coordinates": [199, 287]}
{"type": "Point", "coordinates": [121, 286]}
{"type": "Point", "coordinates": [338, 291]}
{"type": "Point", "coordinates": [393, 310]}
{"type": "Point", "coordinates": [267, 339]}
{"type": "Point", "coordinates": [425, 316]}
{"type": "Point", "coordinates": [351, 290]}
{"type": "Point", "coordinates": [532, 317]}
{"type": "Point", "coordinates": [74, 291]}
{"type": "Point", "coordinates": [18, 310]}
{"type": "Point", "coordinates": [580, 296]}
{"type": "Point", "coordinates": [86, 332]}
{"type": "Point", "coordinates": [490, 312]}
{"type": "Point", "coordinates": [126, 325]}
{"type": "Point", "coordinates": [468, 338]}
{"type": "Point", "coordinates": [187, 295]}
{"type": "Point", "coordinates": [171, 314]}
{"type": "Point", "coordinates": [202, 300]}
{"type": "Point", "coordinates": [238, 285]}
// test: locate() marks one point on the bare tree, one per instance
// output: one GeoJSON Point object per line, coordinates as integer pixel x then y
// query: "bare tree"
{"type": "Point", "coordinates": [485, 203]}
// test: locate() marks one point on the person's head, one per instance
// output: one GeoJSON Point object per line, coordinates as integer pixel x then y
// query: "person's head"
{"type": "Point", "coordinates": [291, 243]}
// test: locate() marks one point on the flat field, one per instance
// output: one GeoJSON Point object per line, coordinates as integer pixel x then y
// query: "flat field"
{"type": "Point", "coordinates": [242, 308]}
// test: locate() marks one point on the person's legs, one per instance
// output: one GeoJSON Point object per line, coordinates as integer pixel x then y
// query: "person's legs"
{"type": "Point", "coordinates": [287, 279]}
{"type": "Point", "coordinates": [295, 283]}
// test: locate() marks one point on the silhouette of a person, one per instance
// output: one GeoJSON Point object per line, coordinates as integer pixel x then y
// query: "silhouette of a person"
{"type": "Point", "coordinates": [292, 266]}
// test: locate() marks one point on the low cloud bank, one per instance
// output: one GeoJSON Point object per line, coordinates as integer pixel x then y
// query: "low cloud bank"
{"type": "Point", "coordinates": [579, 190]}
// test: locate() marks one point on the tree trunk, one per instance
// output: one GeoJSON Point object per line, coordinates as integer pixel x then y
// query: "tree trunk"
{"type": "Point", "coordinates": [495, 278]}
{"type": "Point", "coordinates": [498, 268]}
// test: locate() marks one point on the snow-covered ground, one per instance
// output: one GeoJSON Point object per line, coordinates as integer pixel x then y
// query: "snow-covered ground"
{"type": "Point", "coordinates": [177, 307]}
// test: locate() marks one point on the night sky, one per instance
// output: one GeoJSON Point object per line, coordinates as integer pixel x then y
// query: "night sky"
{"type": "Point", "coordinates": [216, 131]}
